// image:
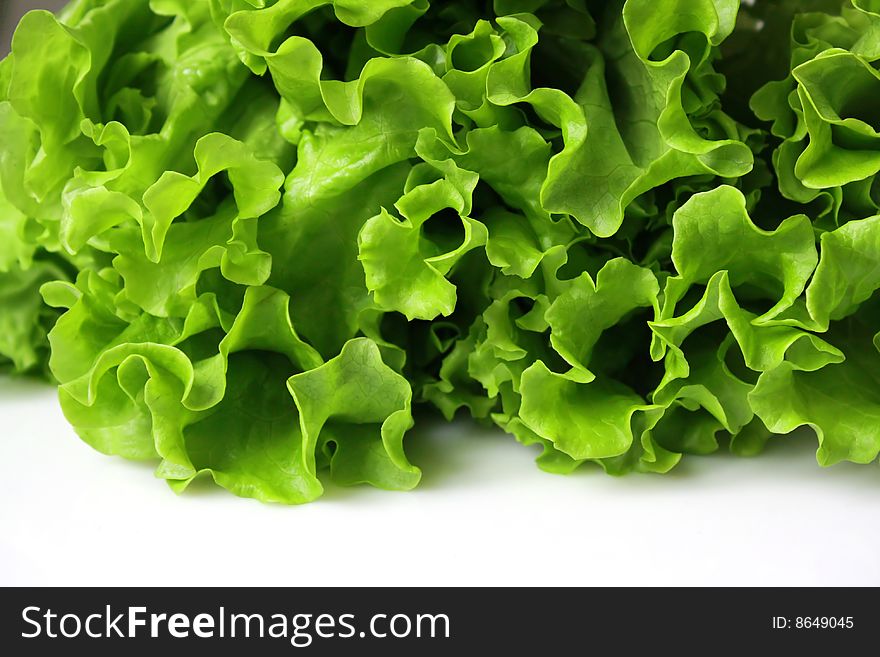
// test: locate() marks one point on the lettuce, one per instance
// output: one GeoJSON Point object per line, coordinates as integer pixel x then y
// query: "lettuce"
{"type": "Point", "coordinates": [249, 238]}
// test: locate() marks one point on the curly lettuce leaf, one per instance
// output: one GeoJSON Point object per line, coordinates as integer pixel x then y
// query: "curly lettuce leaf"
{"type": "Point", "coordinates": [263, 230]}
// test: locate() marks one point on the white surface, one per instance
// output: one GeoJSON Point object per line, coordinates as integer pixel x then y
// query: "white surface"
{"type": "Point", "coordinates": [483, 516]}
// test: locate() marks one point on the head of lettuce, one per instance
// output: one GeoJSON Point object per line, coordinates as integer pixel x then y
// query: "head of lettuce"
{"type": "Point", "coordinates": [246, 237]}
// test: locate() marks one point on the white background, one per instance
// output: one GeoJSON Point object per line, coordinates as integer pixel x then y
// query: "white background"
{"type": "Point", "coordinates": [484, 515]}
